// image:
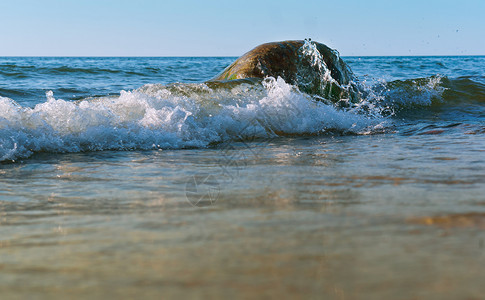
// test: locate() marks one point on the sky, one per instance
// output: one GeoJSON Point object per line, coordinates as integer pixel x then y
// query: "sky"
{"type": "Point", "coordinates": [231, 28]}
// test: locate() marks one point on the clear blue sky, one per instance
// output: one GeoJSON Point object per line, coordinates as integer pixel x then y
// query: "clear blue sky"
{"type": "Point", "coordinates": [230, 28]}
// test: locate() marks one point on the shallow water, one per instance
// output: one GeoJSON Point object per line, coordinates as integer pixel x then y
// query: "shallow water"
{"type": "Point", "coordinates": [319, 203]}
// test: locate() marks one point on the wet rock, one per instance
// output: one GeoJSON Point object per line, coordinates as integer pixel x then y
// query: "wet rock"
{"type": "Point", "coordinates": [313, 67]}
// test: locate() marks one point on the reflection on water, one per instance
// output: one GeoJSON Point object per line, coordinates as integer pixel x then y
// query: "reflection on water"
{"type": "Point", "coordinates": [341, 217]}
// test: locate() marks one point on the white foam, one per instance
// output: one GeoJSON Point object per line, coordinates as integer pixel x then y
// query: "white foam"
{"type": "Point", "coordinates": [175, 116]}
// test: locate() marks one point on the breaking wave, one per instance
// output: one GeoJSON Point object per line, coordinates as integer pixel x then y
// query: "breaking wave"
{"type": "Point", "coordinates": [194, 115]}
{"type": "Point", "coordinates": [172, 117]}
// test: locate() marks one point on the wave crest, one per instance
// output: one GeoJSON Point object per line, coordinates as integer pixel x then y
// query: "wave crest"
{"type": "Point", "coordinates": [172, 117]}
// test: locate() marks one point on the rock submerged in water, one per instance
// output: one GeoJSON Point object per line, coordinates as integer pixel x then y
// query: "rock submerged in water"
{"type": "Point", "coordinates": [313, 67]}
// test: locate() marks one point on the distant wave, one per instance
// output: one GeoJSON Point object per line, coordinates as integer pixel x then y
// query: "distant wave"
{"type": "Point", "coordinates": [19, 71]}
{"type": "Point", "coordinates": [435, 90]}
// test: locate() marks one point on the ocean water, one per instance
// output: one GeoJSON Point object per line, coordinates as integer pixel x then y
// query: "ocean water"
{"type": "Point", "coordinates": [124, 177]}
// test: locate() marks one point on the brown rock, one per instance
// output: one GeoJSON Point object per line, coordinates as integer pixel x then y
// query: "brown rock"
{"type": "Point", "coordinates": [312, 66]}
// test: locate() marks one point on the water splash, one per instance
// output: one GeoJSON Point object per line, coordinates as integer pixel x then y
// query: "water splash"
{"type": "Point", "coordinates": [315, 77]}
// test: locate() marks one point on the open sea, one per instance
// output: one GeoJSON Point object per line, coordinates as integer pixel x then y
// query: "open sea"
{"type": "Point", "coordinates": [131, 177]}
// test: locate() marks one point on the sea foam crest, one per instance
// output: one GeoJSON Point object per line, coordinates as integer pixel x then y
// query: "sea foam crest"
{"type": "Point", "coordinates": [170, 117]}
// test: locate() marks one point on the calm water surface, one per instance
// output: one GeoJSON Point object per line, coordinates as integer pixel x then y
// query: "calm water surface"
{"type": "Point", "coordinates": [385, 207]}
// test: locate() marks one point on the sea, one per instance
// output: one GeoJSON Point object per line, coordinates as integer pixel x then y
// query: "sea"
{"type": "Point", "coordinates": [125, 177]}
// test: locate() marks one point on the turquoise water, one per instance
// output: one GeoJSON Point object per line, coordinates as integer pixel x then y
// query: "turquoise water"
{"type": "Point", "coordinates": [116, 182]}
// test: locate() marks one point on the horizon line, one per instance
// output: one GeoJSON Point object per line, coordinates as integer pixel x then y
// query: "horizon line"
{"type": "Point", "coordinates": [218, 56]}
